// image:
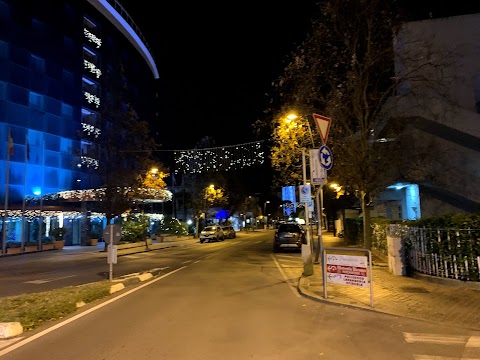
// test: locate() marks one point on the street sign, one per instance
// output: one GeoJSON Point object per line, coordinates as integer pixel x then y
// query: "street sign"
{"type": "Point", "coordinates": [347, 270]}
{"type": "Point", "coordinates": [318, 174]}
{"type": "Point", "coordinates": [326, 157]}
{"type": "Point", "coordinates": [323, 126]}
{"type": "Point", "coordinates": [305, 193]}
{"type": "Point", "coordinates": [112, 234]}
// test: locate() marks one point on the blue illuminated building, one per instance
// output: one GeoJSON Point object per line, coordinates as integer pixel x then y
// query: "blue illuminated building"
{"type": "Point", "coordinates": [57, 62]}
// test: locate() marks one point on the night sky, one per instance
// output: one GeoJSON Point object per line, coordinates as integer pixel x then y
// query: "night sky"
{"type": "Point", "coordinates": [216, 62]}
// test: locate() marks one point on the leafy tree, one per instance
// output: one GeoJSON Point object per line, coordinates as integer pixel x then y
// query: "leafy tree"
{"type": "Point", "coordinates": [345, 70]}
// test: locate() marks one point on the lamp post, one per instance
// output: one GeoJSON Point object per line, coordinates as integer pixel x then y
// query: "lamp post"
{"type": "Point", "coordinates": [264, 212]}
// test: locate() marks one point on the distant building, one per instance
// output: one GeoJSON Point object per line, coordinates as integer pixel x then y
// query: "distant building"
{"type": "Point", "coordinates": [441, 105]}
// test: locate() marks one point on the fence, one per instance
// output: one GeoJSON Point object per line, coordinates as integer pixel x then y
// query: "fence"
{"type": "Point", "coordinates": [449, 253]}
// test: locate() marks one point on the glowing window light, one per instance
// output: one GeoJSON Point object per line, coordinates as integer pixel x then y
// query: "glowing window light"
{"type": "Point", "coordinates": [92, 38]}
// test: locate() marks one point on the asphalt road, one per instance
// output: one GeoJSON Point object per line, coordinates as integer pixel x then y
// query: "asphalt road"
{"type": "Point", "coordinates": [231, 300]}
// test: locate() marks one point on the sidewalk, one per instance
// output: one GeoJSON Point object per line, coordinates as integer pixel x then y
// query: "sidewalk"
{"type": "Point", "coordinates": [449, 302]}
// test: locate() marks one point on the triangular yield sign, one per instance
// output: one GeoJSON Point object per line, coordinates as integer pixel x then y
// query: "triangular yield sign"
{"type": "Point", "coordinates": [323, 126]}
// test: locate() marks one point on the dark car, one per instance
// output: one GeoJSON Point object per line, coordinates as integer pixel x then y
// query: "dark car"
{"type": "Point", "coordinates": [229, 232]}
{"type": "Point", "coordinates": [289, 236]}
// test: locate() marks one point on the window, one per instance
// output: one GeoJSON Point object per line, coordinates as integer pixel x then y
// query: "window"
{"type": "Point", "coordinates": [89, 25]}
{"type": "Point", "coordinates": [35, 101]}
{"type": "Point", "coordinates": [90, 55]}
{"type": "Point", "coordinates": [37, 64]}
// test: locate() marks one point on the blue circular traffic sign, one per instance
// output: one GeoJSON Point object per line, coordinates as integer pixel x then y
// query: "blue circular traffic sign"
{"type": "Point", "coordinates": [326, 157]}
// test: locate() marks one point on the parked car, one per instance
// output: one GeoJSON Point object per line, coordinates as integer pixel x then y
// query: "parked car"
{"type": "Point", "coordinates": [229, 232]}
{"type": "Point", "coordinates": [211, 233]}
{"type": "Point", "coordinates": [289, 236]}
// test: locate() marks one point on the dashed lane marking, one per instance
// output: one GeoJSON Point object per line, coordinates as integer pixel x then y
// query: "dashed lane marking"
{"type": "Point", "coordinates": [43, 281]}
{"type": "Point", "coordinates": [435, 338]}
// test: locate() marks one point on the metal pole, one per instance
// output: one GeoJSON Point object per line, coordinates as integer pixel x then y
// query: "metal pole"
{"type": "Point", "coordinates": [306, 250]}
{"type": "Point", "coordinates": [319, 204]}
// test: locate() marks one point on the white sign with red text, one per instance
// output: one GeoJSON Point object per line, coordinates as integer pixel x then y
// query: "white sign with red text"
{"type": "Point", "coordinates": [347, 270]}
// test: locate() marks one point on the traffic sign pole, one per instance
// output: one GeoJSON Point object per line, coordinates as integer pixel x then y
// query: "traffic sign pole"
{"type": "Point", "coordinates": [112, 235]}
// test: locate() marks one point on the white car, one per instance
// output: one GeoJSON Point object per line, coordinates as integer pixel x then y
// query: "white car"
{"type": "Point", "coordinates": [211, 233]}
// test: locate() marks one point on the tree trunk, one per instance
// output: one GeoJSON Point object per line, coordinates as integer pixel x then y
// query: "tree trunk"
{"type": "Point", "coordinates": [196, 227]}
{"type": "Point", "coordinates": [367, 238]}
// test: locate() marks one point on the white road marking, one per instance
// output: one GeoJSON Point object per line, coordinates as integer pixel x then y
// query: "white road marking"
{"type": "Point", "coordinates": [82, 314]}
{"type": "Point", "coordinates": [291, 260]}
{"type": "Point", "coordinates": [7, 342]}
{"type": "Point", "coordinates": [434, 357]}
{"type": "Point", "coordinates": [186, 262]}
{"type": "Point", "coordinates": [43, 281]}
{"type": "Point", "coordinates": [473, 341]}
{"type": "Point", "coordinates": [435, 338]}
{"type": "Point", "coordinates": [285, 276]}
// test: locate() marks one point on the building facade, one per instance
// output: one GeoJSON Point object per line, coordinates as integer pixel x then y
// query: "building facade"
{"type": "Point", "coordinates": [438, 100]}
{"type": "Point", "coordinates": [61, 62]}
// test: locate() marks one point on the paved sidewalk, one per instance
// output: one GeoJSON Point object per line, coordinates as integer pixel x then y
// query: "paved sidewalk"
{"type": "Point", "coordinates": [450, 302]}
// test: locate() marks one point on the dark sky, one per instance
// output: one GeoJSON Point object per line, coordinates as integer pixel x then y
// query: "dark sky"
{"type": "Point", "coordinates": [216, 62]}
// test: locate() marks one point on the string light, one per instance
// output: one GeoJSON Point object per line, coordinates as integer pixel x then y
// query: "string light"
{"type": "Point", "coordinates": [92, 68]}
{"type": "Point", "coordinates": [92, 38]}
{"type": "Point", "coordinates": [224, 158]}
{"type": "Point", "coordinates": [92, 98]}
{"type": "Point", "coordinates": [139, 195]}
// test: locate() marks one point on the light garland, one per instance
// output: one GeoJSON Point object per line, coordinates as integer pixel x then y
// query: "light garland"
{"type": "Point", "coordinates": [89, 162]}
{"type": "Point", "coordinates": [16, 215]}
{"type": "Point", "coordinates": [90, 129]}
{"type": "Point", "coordinates": [142, 195]}
{"type": "Point", "coordinates": [92, 98]}
{"type": "Point", "coordinates": [92, 68]}
{"type": "Point", "coordinates": [92, 38]}
{"type": "Point", "coordinates": [223, 158]}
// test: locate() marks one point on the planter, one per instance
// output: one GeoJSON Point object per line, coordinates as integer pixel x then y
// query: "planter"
{"type": "Point", "coordinates": [92, 242]}
{"type": "Point", "coordinates": [16, 250]}
{"type": "Point", "coordinates": [31, 248]}
{"type": "Point", "coordinates": [48, 246]}
{"type": "Point", "coordinates": [58, 244]}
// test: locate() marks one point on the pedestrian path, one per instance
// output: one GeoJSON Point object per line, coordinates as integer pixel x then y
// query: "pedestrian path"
{"type": "Point", "coordinates": [449, 303]}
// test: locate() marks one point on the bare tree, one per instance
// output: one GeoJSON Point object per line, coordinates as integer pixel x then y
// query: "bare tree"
{"type": "Point", "coordinates": [345, 69]}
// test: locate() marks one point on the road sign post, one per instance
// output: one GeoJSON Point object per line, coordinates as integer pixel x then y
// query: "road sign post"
{"type": "Point", "coordinates": [112, 235]}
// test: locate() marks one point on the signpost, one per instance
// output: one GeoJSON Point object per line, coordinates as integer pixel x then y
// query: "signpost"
{"type": "Point", "coordinates": [318, 174]}
{"type": "Point", "coordinates": [323, 126]}
{"type": "Point", "coordinates": [354, 270]}
{"type": "Point", "coordinates": [112, 235]}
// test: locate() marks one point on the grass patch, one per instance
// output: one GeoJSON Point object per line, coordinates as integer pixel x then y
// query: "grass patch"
{"type": "Point", "coordinates": [31, 310]}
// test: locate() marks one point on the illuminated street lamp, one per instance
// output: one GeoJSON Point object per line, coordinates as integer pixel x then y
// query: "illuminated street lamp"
{"type": "Point", "coordinates": [264, 212]}
{"type": "Point", "coordinates": [265, 206]}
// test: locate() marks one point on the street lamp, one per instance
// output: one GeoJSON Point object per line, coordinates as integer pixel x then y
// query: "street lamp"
{"type": "Point", "coordinates": [265, 206]}
{"type": "Point", "coordinates": [264, 212]}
